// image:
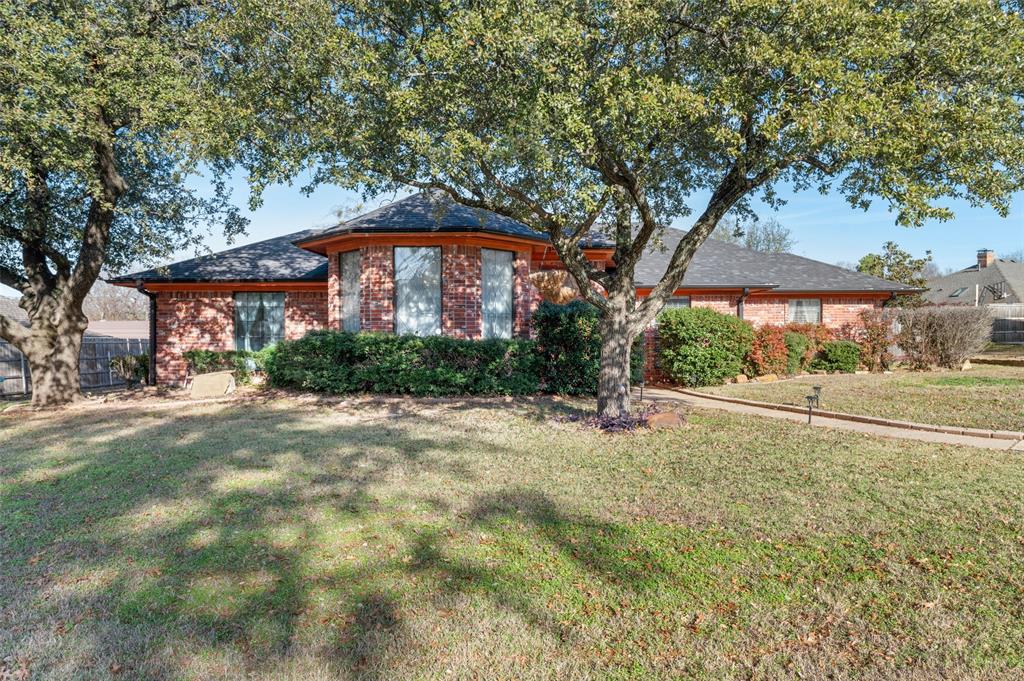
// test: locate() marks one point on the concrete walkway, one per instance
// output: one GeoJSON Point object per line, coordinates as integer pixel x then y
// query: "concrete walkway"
{"type": "Point", "coordinates": [665, 395]}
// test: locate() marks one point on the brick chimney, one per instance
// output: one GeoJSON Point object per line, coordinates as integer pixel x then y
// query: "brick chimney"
{"type": "Point", "coordinates": [986, 257]}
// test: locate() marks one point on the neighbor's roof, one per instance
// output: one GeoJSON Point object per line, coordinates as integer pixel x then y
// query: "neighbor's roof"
{"type": "Point", "coordinates": [9, 308]}
{"type": "Point", "coordinates": [277, 259]}
{"type": "Point", "coordinates": [1005, 274]}
{"type": "Point", "coordinates": [722, 265]}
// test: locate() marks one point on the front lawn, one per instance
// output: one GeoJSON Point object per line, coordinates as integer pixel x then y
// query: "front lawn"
{"type": "Point", "coordinates": [390, 539]}
{"type": "Point", "coordinates": [986, 396]}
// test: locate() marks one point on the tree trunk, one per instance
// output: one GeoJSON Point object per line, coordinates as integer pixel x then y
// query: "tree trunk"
{"type": "Point", "coordinates": [616, 344]}
{"type": "Point", "coordinates": [53, 354]}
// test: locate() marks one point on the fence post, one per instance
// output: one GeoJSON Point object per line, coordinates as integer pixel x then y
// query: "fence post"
{"type": "Point", "coordinates": [24, 375]}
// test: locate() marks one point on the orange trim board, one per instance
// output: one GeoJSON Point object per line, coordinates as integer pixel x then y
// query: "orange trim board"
{"type": "Point", "coordinates": [643, 291]}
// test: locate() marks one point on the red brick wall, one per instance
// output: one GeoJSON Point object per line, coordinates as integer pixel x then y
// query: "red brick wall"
{"type": "Point", "coordinates": [461, 303]}
{"type": "Point", "coordinates": [333, 290]}
{"type": "Point", "coordinates": [726, 304]}
{"type": "Point", "coordinates": [377, 289]}
{"type": "Point", "coordinates": [525, 296]}
{"type": "Point", "coordinates": [203, 320]}
{"type": "Point", "coordinates": [304, 311]}
{"type": "Point", "coordinates": [839, 310]}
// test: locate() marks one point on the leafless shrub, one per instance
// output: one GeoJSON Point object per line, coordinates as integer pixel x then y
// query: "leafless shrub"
{"type": "Point", "coordinates": [942, 336]}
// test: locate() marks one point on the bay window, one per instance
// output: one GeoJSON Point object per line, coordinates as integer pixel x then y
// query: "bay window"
{"type": "Point", "coordinates": [351, 268]}
{"type": "Point", "coordinates": [496, 285]}
{"type": "Point", "coordinates": [259, 320]}
{"type": "Point", "coordinates": [418, 290]}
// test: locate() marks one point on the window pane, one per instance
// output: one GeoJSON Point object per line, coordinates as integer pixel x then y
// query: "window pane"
{"type": "Point", "coordinates": [418, 290]}
{"type": "Point", "coordinates": [497, 293]}
{"type": "Point", "coordinates": [259, 320]}
{"type": "Point", "coordinates": [804, 311]}
{"type": "Point", "coordinates": [677, 301]}
{"type": "Point", "coordinates": [351, 267]}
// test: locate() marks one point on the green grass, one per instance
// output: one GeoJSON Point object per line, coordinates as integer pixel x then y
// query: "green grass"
{"type": "Point", "coordinates": [288, 539]}
{"type": "Point", "coordinates": [1015, 350]}
{"type": "Point", "coordinates": [986, 396]}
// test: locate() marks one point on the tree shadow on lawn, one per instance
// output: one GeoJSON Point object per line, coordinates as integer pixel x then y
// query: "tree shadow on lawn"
{"type": "Point", "coordinates": [254, 535]}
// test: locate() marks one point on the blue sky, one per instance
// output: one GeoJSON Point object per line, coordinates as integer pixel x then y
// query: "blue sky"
{"type": "Point", "coordinates": [825, 227]}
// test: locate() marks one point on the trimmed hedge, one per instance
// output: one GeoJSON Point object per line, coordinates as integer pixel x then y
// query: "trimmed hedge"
{"type": "Point", "coordinates": [339, 362]}
{"type": "Point", "coordinates": [241, 363]}
{"type": "Point", "coordinates": [702, 347]}
{"type": "Point", "coordinates": [841, 356]}
{"type": "Point", "coordinates": [796, 350]}
{"type": "Point", "coordinates": [569, 348]}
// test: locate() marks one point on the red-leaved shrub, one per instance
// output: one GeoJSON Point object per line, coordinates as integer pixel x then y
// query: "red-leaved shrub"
{"type": "Point", "coordinates": [817, 335]}
{"type": "Point", "coordinates": [768, 354]}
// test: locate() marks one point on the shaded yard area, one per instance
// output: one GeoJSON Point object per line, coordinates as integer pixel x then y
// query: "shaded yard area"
{"type": "Point", "coordinates": [296, 539]}
{"type": "Point", "coordinates": [986, 396]}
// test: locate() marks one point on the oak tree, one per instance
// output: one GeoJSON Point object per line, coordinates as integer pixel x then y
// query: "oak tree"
{"type": "Point", "coordinates": [623, 117]}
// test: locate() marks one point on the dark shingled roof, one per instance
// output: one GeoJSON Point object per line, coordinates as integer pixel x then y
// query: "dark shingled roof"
{"type": "Point", "coordinates": [277, 259]}
{"type": "Point", "coordinates": [429, 212]}
{"type": "Point", "coordinates": [719, 264]}
{"type": "Point", "coordinates": [716, 264]}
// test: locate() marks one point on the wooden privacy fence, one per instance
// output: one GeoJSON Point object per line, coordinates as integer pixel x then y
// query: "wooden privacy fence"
{"type": "Point", "coordinates": [93, 364]}
{"type": "Point", "coordinates": [1007, 323]}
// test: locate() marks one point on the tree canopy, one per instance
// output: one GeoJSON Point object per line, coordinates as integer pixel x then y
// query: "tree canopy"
{"type": "Point", "coordinates": [105, 112]}
{"type": "Point", "coordinates": [896, 264]}
{"type": "Point", "coordinates": [767, 236]}
{"type": "Point", "coordinates": [624, 117]}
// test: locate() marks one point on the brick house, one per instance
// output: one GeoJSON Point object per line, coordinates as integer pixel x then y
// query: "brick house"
{"type": "Point", "coordinates": [422, 265]}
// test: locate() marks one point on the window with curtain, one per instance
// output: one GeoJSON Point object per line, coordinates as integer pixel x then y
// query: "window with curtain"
{"type": "Point", "coordinates": [496, 280]}
{"type": "Point", "coordinates": [804, 311]}
{"type": "Point", "coordinates": [351, 268]}
{"type": "Point", "coordinates": [259, 320]}
{"type": "Point", "coordinates": [418, 290]}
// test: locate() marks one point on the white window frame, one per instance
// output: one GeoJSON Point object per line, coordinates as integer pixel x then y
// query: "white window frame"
{"type": "Point", "coordinates": [488, 326]}
{"type": "Point", "coordinates": [351, 312]}
{"type": "Point", "coordinates": [794, 303]}
{"type": "Point", "coordinates": [402, 326]}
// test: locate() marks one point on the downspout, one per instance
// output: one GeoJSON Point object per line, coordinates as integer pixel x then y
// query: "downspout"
{"type": "Point", "coordinates": [741, 300]}
{"type": "Point", "coordinates": [152, 330]}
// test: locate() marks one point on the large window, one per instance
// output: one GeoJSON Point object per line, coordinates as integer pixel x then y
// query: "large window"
{"type": "Point", "coordinates": [804, 311]}
{"type": "Point", "coordinates": [497, 293]}
{"type": "Point", "coordinates": [259, 320]}
{"type": "Point", "coordinates": [351, 268]}
{"type": "Point", "coordinates": [677, 301]}
{"type": "Point", "coordinates": [418, 290]}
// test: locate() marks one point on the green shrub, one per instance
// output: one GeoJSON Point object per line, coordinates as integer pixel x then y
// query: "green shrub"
{"type": "Point", "coordinates": [131, 369]}
{"type": "Point", "coordinates": [702, 347]}
{"type": "Point", "coordinates": [242, 363]}
{"type": "Point", "coordinates": [339, 362]}
{"type": "Point", "coordinates": [840, 355]}
{"type": "Point", "coordinates": [768, 353]}
{"type": "Point", "coordinates": [569, 345]}
{"type": "Point", "coordinates": [796, 349]}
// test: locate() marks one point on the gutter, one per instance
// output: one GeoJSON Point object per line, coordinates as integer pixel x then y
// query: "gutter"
{"type": "Point", "coordinates": [741, 300]}
{"type": "Point", "coordinates": [141, 288]}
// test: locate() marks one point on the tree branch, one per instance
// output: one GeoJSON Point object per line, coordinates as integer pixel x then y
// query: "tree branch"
{"type": "Point", "coordinates": [13, 332]}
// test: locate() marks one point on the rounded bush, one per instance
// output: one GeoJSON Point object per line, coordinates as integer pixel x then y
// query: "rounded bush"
{"type": "Point", "coordinates": [840, 355]}
{"type": "Point", "coordinates": [702, 347]}
{"type": "Point", "coordinates": [768, 354]}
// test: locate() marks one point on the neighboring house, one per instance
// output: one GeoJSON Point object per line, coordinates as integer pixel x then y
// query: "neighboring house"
{"type": "Point", "coordinates": [423, 265]}
{"type": "Point", "coordinates": [990, 280]}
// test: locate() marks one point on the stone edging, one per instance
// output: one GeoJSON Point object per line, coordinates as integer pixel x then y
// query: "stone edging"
{"type": "Point", "coordinates": [874, 420]}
